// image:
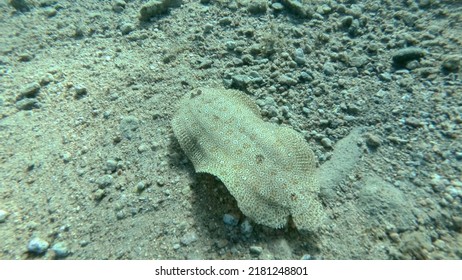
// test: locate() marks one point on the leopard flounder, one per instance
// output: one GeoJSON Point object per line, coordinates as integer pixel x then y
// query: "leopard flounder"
{"type": "Point", "coordinates": [269, 169]}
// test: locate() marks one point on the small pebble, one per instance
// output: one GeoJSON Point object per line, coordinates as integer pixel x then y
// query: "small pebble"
{"type": "Point", "coordinates": [257, 6]}
{"type": "Point", "coordinates": [154, 8]}
{"type": "Point", "coordinates": [394, 236]}
{"type": "Point", "coordinates": [208, 27]}
{"type": "Point", "coordinates": [286, 80]}
{"type": "Point", "coordinates": [358, 61]}
{"type": "Point", "coordinates": [126, 28]}
{"type": "Point", "coordinates": [457, 220]}
{"type": "Point", "coordinates": [451, 63]}
{"type": "Point", "coordinates": [128, 126]}
{"type": "Point", "coordinates": [222, 243]}
{"type": "Point", "coordinates": [458, 155]}
{"type": "Point", "coordinates": [230, 220]}
{"type": "Point", "coordinates": [66, 156]}
{"type": "Point", "coordinates": [143, 148]}
{"type": "Point", "coordinates": [328, 69]}
{"type": "Point", "coordinates": [99, 194]}
{"type": "Point", "coordinates": [119, 6]}
{"type": "Point", "coordinates": [246, 227]}
{"type": "Point", "coordinates": [80, 91]}
{"type": "Point", "coordinates": [255, 250]}
{"type": "Point", "coordinates": [326, 142]}
{"type": "Point", "coordinates": [104, 181]}
{"type": "Point", "coordinates": [188, 238]}
{"type": "Point", "coordinates": [230, 45]}
{"type": "Point", "coordinates": [29, 90]}
{"type": "Point", "coordinates": [48, 78]}
{"type": "Point", "coordinates": [60, 250]}
{"type": "Point", "coordinates": [37, 246]}
{"type": "Point", "coordinates": [440, 244]}
{"type": "Point", "coordinates": [160, 182]}
{"type": "Point", "coordinates": [140, 186]}
{"type": "Point", "coordinates": [414, 122]}
{"type": "Point", "coordinates": [3, 216]}
{"type": "Point", "coordinates": [50, 12]}
{"type": "Point", "coordinates": [385, 77]}
{"type": "Point", "coordinates": [120, 215]}
{"type": "Point", "coordinates": [403, 56]}
{"type": "Point", "coordinates": [111, 165]}
{"type": "Point", "coordinates": [412, 64]}
{"type": "Point", "coordinates": [277, 6]}
{"type": "Point", "coordinates": [225, 21]}
{"type": "Point", "coordinates": [64, 228]}
{"type": "Point", "coordinates": [299, 56]}
{"type": "Point", "coordinates": [240, 81]}
{"type": "Point", "coordinates": [353, 109]}
{"type": "Point", "coordinates": [21, 5]}
{"type": "Point", "coordinates": [373, 140]}
{"type": "Point", "coordinates": [28, 104]}
{"type": "Point", "coordinates": [346, 21]}
{"type": "Point", "coordinates": [304, 76]}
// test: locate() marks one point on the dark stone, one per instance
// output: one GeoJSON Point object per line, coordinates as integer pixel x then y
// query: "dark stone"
{"type": "Point", "coordinates": [297, 8]}
{"type": "Point", "coordinates": [403, 56]}
{"type": "Point", "coordinates": [451, 63]}
{"type": "Point", "coordinates": [28, 104]}
{"type": "Point", "coordinates": [155, 7]}
{"type": "Point", "coordinates": [20, 5]}
{"type": "Point", "coordinates": [257, 7]}
{"type": "Point", "coordinates": [29, 91]}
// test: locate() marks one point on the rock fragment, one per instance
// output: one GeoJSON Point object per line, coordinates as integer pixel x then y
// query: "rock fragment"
{"type": "Point", "coordinates": [403, 56]}
{"type": "Point", "coordinates": [60, 249]}
{"type": "Point", "coordinates": [257, 6]}
{"type": "Point", "coordinates": [451, 63]}
{"type": "Point", "coordinates": [37, 246]}
{"type": "Point", "coordinates": [29, 91]}
{"type": "Point", "coordinates": [156, 7]}
{"type": "Point", "coordinates": [3, 215]}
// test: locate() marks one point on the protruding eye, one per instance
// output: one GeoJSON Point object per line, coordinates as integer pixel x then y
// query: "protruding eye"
{"type": "Point", "coordinates": [196, 94]}
{"type": "Point", "coordinates": [259, 158]}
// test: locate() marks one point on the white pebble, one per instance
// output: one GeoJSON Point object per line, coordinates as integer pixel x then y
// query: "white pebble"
{"type": "Point", "coordinates": [3, 215]}
{"type": "Point", "coordinates": [60, 250]}
{"type": "Point", "coordinates": [37, 245]}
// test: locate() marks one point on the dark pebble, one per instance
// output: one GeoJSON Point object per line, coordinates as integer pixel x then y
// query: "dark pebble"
{"type": "Point", "coordinates": [403, 56]}
{"type": "Point", "coordinates": [29, 90]}
{"type": "Point", "coordinates": [28, 104]}
{"type": "Point", "coordinates": [373, 140]}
